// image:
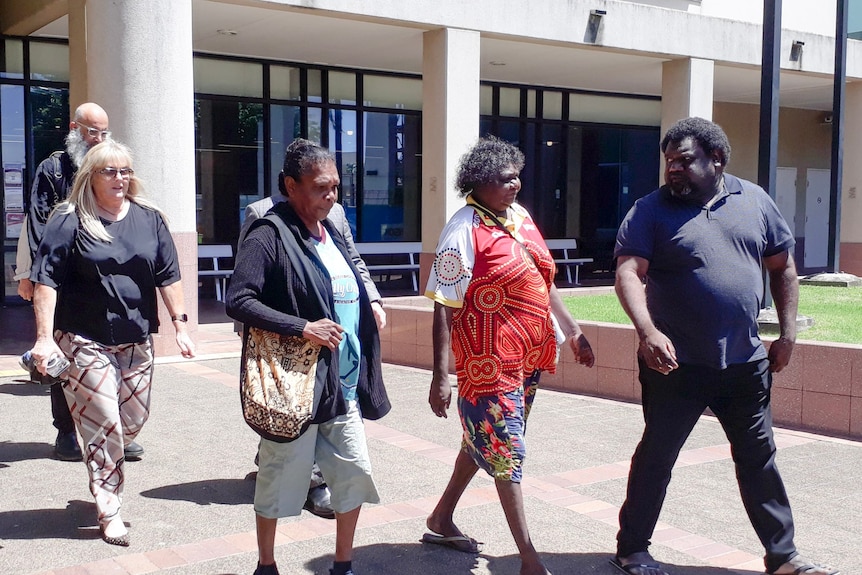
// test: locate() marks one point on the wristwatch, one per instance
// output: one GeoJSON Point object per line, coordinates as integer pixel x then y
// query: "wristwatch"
{"type": "Point", "coordinates": [182, 317]}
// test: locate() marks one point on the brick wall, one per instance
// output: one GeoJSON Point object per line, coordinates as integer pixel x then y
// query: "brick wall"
{"type": "Point", "coordinates": [820, 391]}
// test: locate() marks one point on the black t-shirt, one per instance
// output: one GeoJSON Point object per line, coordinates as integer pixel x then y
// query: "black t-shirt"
{"type": "Point", "coordinates": [106, 291]}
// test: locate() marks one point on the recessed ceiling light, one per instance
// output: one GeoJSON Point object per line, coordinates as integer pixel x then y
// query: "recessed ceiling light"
{"type": "Point", "coordinates": [496, 63]}
{"type": "Point", "coordinates": [227, 32]}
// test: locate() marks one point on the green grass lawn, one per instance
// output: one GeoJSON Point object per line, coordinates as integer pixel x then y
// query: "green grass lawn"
{"type": "Point", "coordinates": [837, 312]}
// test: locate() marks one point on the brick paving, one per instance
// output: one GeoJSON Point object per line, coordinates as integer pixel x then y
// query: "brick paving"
{"type": "Point", "coordinates": [189, 500]}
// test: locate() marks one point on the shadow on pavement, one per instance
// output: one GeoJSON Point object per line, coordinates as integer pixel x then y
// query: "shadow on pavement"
{"type": "Point", "coordinates": [386, 559]}
{"type": "Point", "coordinates": [76, 521]}
{"type": "Point", "coordinates": [209, 492]}
{"type": "Point", "coordinates": [11, 452]}
{"type": "Point", "coordinates": [23, 388]}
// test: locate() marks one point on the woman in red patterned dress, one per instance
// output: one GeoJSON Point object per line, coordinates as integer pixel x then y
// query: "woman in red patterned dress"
{"type": "Point", "coordinates": [492, 284]}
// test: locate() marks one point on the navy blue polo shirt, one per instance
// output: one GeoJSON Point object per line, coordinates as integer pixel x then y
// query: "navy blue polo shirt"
{"type": "Point", "coordinates": [704, 285]}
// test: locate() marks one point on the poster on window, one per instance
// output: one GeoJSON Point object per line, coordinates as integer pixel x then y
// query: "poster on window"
{"type": "Point", "coordinates": [13, 187]}
{"type": "Point", "coordinates": [14, 224]}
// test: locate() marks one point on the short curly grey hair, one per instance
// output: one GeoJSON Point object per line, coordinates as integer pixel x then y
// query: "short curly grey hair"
{"type": "Point", "coordinates": [485, 162]}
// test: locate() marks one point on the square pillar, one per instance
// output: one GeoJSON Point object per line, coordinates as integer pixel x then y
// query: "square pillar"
{"type": "Point", "coordinates": [850, 257]}
{"type": "Point", "coordinates": [78, 55]}
{"type": "Point", "coordinates": [686, 90]}
{"type": "Point", "coordinates": [450, 125]}
{"type": "Point", "coordinates": [139, 69]}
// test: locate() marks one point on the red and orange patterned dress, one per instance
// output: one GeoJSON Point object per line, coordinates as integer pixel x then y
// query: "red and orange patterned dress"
{"type": "Point", "coordinates": [501, 330]}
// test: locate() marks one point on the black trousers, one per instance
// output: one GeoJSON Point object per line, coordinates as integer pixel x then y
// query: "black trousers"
{"type": "Point", "coordinates": [739, 398]}
{"type": "Point", "coordinates": [60, 410]}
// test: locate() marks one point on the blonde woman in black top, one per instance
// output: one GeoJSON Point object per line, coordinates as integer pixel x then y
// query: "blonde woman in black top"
{"type": "Point", "coordinates": [103, 255]}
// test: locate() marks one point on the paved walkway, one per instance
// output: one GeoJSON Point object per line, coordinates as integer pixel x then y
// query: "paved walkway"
{"type": "Point", "coordinates": [188, 502]}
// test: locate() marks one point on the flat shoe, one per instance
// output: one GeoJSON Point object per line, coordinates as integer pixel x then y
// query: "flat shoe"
{"type": "Point", "coordinates": [638, 568]}
{"type": "Point", "coordinates": [457, 542]}
{"type": "Point", "coordinates": [122, 541]}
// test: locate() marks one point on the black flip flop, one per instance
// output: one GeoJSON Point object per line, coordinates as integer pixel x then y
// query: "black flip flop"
{"type": "Point", "coordinates": [460, 543]}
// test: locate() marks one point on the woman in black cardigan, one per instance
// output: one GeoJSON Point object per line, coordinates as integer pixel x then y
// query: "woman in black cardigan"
{"type": "Point", "coordinates": [298, 280]}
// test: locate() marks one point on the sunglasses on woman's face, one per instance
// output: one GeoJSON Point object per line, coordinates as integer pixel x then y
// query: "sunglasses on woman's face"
{"type": "Point", "coordinates": [111, 173]}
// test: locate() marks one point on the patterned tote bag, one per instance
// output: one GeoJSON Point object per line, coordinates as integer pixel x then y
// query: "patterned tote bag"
{"type": "Point", "coordinates": [277, 384]}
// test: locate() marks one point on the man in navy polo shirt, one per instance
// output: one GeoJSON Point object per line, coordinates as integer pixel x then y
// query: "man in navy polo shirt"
{"type": "Point", "coordinates": [698, 242]}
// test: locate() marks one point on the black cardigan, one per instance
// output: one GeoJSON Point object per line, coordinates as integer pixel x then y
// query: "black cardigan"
{"type": "Point", "coordinates": [267, 291]}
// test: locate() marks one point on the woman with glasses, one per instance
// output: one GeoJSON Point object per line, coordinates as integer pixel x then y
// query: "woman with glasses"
{"type": "Point", "coordinates": [104, 253]}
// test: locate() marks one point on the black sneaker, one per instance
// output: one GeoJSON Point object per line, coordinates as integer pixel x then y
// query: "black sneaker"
{"type": "Point", "coordinates": [66, 447]}
{"type": "Point", "coordinates": [133, 451]}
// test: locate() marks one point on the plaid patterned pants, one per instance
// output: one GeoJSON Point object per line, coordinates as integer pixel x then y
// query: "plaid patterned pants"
{"type": "Point", "coordinates": [108, 392]}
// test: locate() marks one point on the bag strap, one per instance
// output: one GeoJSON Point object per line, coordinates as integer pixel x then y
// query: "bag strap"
{"type": "Point", "coordinates": [299, 263]}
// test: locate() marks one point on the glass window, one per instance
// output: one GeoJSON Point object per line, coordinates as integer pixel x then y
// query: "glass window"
{"type": "Point", "coordinates": [614, 110]}
{"type": "Point", "coordinates": [284, 83]}
{"type": "Point", "coordinates": [854, 19]}
{"type": "Point", "coordinates": [315, 86]}
{"type": "Point", "coordinates": [392, 92]}
{"type": "Point", "coordinates": [229, 165]}
{"type": "Point", "coordinates": [510, 102]}
{"type": "Point", "coordinates": [486, 100]}
{"type": "Point", "coordinates": [552, 105]}
{"type": "Point", "coordinates": [49, 61]}
{"type": "Point", "coordinates": [285, 127]}
{"type": "Point", "coordinates": [342, 88]}
{"type": "Point", "coordinates": [531, 103]}
{"type": "Point", "coordinates": [618, 165]}
{"type": "Point", "coordinates": [12, 60]}
{"type": "Point", "coordinates": [315, 125]}
{"type": "Point", "coordinates": [549, 202]}
{"type": "Point", "coordinates": [50, 120]}
{"type": "Point", "coordinates": [342, 142]}
{"type": "Point", "coordinates": [390, 207]}
{"type": "Point", "coordinates": [14, 184]}
{"type": "Point", "coordinates": [228, 77]}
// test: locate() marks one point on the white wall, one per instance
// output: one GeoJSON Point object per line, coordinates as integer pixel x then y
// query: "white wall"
{"type": "Point", "coordinates": [813, 16]}
{"type": "Point", "coordinates": [805, 15]}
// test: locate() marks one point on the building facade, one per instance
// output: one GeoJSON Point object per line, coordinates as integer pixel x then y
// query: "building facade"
{"type": "Point", "coordinates": [208, 93]}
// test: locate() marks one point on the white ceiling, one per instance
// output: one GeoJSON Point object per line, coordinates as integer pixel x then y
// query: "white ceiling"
{"type": "Point", "coordinates": [283, 34]}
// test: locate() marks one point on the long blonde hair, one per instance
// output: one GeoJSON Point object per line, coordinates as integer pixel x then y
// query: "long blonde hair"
{"type": "Point", "coordinates": [83, 200]}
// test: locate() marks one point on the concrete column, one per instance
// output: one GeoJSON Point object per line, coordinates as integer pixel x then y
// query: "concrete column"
{"type": "Point", "coordinates": [77, 55]}
{"type": "Point", "coordinates": [139, 68]}
{"type": "Point", "coordinates": [686, 90]}
{"type": "Point", "coordinates": [450, 125]}
{"type": "Point", "coordinates": [850, 257]}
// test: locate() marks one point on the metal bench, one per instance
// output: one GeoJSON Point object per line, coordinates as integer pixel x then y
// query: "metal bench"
{"type": "Point", "coordinates": [390, 258]}
{"type": "Point", "coordinates": [564, 251]}
{"type": "Point", "coordinates": [209, 256]}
